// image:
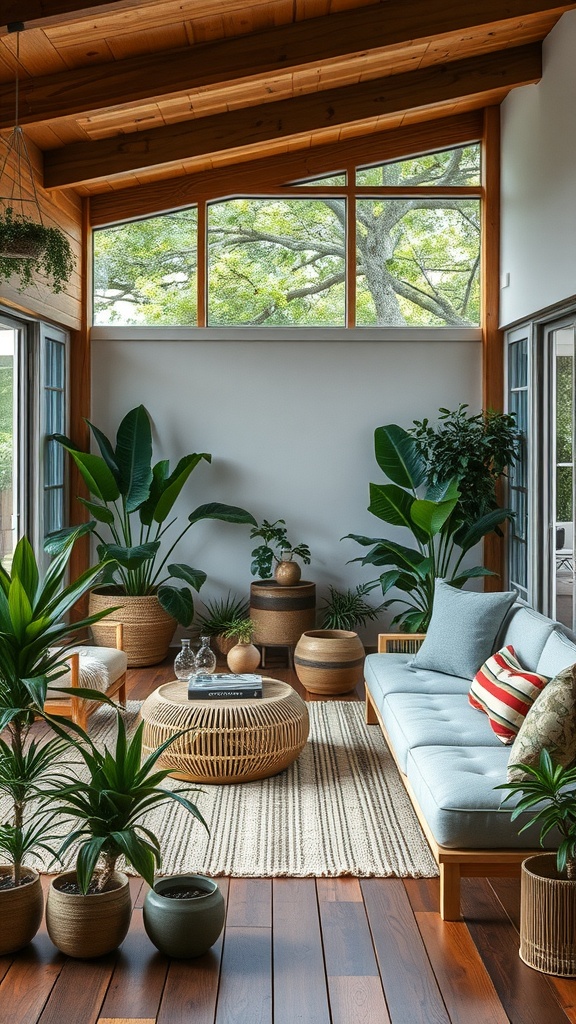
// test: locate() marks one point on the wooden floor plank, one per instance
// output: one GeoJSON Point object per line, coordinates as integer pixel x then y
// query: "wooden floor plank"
{"type": "Point", "coordinates": [136, 986]}
{"type": "Point", "coordinates": [354, 985]}
{"type": "Point", "coordinates": [28, 983]}
{"type": "Point", "coordinates": [412, 993]}
{"type": "Point", "coordinates": [334, 889]}
{"type": "Point", "coordinates": [79, 991]}
{"type": "Point", "coordinates": [245, 994]}
{"type": "Point", "coordinates": [300, 990]}
{"type": "Point", "coordinates": [465, 984]}
{"type": "Point", "coordinates": [249, 903]}
{"type": "Point", "coordinates": [527, 996]}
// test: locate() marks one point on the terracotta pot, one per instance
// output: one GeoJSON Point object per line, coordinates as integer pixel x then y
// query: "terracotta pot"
{"type": "Point", "coordinates": [287, 574]}
{"type": "Point", "coordinates": [184, 928]}
{"type": "Point", "coordinates": [547, 917]}
{"type": "Point", "coordinates": [20, 912]}
{"type": "Point", "coordinates": [148, 629]}
{"type": "Point", "coordinates": [243, 658]}
{"type": "Point", "coordinates": [88, 926]}
{"type": "Point", "coordinates": [329, 661]}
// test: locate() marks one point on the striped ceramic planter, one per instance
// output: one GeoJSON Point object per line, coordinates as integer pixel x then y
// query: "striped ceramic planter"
{"type": "Point", "coordinates": [281, 613]}
{"type": "Point", "coordinates": [329, 661]}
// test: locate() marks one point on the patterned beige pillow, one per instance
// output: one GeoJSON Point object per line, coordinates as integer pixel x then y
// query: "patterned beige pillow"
{"type": "Point", "coordinates": [550, 723]}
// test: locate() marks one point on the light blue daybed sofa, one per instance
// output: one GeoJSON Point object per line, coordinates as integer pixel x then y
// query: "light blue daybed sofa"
{"type": "Point", "coordinates": [449, 758]}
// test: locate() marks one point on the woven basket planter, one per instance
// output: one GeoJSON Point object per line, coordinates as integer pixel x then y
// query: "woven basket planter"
{"type": "Point", "coordinates": [148, 629]}
{"type": "Point", "coordinates": [20, 912]}
{"type": "Point", "coordinates": [547, 917]}
{"type": "Point", "coordinates": [329, 661]}
{"type": "Point", "coordinates": [88, 926]}
{"type": "Point", "coordinates": [280, 613]}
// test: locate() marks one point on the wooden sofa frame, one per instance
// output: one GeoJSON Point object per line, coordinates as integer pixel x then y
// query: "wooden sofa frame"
{"type": "Point", "coordinates": [453, 864]}
{"type": "Point", "coordinates": [76, 708]}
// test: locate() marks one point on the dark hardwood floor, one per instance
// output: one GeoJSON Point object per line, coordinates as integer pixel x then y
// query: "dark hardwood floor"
{"type": "Point", "coordinates": [303, 951]}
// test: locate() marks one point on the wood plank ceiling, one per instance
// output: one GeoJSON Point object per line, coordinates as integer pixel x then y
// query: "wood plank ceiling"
{"type": "Point", "coordinates": [137, 91]}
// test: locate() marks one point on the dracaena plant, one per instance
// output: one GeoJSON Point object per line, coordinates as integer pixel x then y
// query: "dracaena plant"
{"type": "Point", "coordinates": [442, 536]}
{"type": "Point", "coordinates": [34, 637]}
{"type": "Point", "coordinates": [132, 504]}
{"type": "Point", "coordinates": [110, 808]}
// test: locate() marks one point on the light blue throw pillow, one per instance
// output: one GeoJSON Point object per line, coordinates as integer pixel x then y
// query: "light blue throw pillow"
{"type": "Point", "coordinates": [462, 631]}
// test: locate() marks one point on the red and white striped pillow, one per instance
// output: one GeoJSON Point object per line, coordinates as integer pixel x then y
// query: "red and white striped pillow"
{"type": "Point", "coordinates": [506, 692]}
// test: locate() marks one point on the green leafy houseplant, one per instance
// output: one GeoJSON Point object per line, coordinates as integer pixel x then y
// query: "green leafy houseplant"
{"type": "Point", "coordinates": [276, 548]}
{"type": "Point", "coordinates": [433, 516]}
{"type": "Point", "coordinates": [27, 247]}
{"type": "Point", "coordinates": [475, 449]}
{"type": "Point", "coordinates": [241, 630]}
{"type": "Point", "coordinates": [134, 502]}
{"type": "Point", "coordinates": [109, 807]}
{"type": "Point", "coordinates": [347, 609]}
{"type": "Point", "coordinates": [548, 788]}
{"type": "Point", "coordinates": [32, 625]}
{"type": "Point", "coordinates": [221, 613]}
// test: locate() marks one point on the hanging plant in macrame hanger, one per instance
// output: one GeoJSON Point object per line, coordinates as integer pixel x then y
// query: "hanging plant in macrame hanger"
{"type": "Point", "coordinates": [27, 246]}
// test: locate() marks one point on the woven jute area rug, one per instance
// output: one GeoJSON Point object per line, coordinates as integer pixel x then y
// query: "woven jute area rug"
{"type": "Point", "coordinates": [340, 809]}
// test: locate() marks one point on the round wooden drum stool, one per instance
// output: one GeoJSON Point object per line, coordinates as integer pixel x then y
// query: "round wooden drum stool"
{"type": "Point", "coordinates": [229, 740]}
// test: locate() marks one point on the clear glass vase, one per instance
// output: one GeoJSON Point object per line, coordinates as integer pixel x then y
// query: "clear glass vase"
{"type": "Point", "coordinates": [205, 660]}
{"type": "Point", "coordinates": [184, 662]}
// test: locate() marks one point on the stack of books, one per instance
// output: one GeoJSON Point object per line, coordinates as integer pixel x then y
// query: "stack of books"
{"type": "Point", "coordinates": [224, 686]}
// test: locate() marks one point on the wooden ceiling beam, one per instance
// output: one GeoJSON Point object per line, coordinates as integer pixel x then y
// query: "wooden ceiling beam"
{"type": "Point", "coordinates": [87, 161]}
{"type": "Point", "coordinates": [37, 13]}
{"type": "Point", "coordinates": [275, 171]}
{"type": "Point", "coordinates": [147, 77]}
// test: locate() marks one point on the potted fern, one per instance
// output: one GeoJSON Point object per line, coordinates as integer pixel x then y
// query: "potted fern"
{"type": "Point", "coordinates": [28, 247]}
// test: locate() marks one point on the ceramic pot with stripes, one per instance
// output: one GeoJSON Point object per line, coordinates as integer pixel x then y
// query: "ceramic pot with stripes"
{"type": "Point", "coordinates": [329, 661]}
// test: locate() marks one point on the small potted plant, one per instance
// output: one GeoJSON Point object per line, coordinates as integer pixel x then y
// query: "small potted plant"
{"type": "Point", "coordinates": [88, 909]}
{"type": "Point", "coordinates": [28, 247]}
{"type": "Point", "coordinates": [548, 880]}
{"type": "Point", "coordinates": [244, 656]}
{"type": "Point", "coordinates": [347, 609]}
{"type": "Point", "coordinates": [218, 616]}
{"type": "Point", "coordinates": [278, 551]}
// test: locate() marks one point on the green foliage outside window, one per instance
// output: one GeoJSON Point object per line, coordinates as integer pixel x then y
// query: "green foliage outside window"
{"type": "Point", "coordinates": [564, 438]}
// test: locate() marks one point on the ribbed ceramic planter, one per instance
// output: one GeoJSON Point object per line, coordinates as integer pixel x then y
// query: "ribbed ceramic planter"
{"type": "Point", "coordinates": [184, 928]}
{"type": "Point", "coordinates": [547, 917]}
{"type": "Point", "coordinates": [20, 912]}
{"type": "Point", "coordinates": [88, 926]}
{"type": "Point", "coordinates": [329, 661]}
{"type": "Point", "coordinates": [148, 629]}
{"type": "Point", "coordinates": [243, 658]}
{"type": "Point", "coordinates": [281, 614]}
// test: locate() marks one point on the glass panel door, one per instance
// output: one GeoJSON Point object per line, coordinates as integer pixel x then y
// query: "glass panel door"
{"type": "Point", "coordinates": [9, 478]}
{"type": "Point", "coordinates": [562, 479]}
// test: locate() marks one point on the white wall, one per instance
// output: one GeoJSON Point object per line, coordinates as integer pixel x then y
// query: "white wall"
{"type": "Point", "coordinates": [290, 428]}
{"type": "Point", "coordinates": [539, 183]}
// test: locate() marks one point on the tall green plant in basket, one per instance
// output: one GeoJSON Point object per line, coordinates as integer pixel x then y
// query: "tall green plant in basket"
{"type": "Point", "coordinates": [433, 515]}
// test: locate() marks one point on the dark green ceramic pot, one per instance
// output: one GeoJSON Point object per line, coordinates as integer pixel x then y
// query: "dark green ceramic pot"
{"type": "Point", "coordinates": [184, 928]}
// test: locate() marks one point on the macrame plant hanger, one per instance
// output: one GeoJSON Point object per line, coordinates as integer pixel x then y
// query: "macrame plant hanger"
{"type": "Point", "coordinates": [21, 197]}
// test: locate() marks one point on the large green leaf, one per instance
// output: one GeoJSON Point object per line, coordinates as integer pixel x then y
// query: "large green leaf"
{"type": "Point", "coordinates": [175, 483]}
{"type": "Point", "coordinates": [61, 541]}
{"type": "Point", "coordinates": [195, 577]}
{"type": "Point", "coordinates": [20, 608]}
{"type": "Point", "coordinates": [134, 457]}
{"type": "Point", "coordinates": [106, 451]}
{"type": "Point", "coordinates": [93, 470]}
{"type": "Point", "coordinates": [178, 603]}
{"type": "Point", "coordinates": [25, 569]}
{"type": "Point", "coordinates": [430, 516]}
{"type": "Point", "coordinates": [392, 504]}
{"type": "Point", "coordinates": [227, 513]}
{"type": "Point", "coordinates": [469, 535]}
{"type": "Point", "coordinates": [398, 457]}
{"type": "Point", "coordinates": [160, 474]}
{"type": "Point", "coordinates": [101, 513]}
{"type": "Point", "coordinates": [129, 557]}
{"type": "Point", "coordinates": [387, 552]}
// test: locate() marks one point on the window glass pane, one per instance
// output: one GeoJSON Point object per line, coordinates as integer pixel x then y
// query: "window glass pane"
{"type": "Point", "coordinates": [332, 179]}
{"type": "Point", "coordinates": [460, 166]}
{"type": "Point", "coordinates": [145, 271]}
{"type": "Point", "coordinates": [7, 442]}
{"type": "Point", "coordinates": [418, 262]}
{"type": "Point", "coordinates": [54, 399]}
{"type": "Point", "coordinates": [276, 262]}
{"type": "Point", "coordinates": [518, 364]}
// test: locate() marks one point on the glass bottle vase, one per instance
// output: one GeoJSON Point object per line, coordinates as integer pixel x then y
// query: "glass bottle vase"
{"type": "Point", "coordinates": [184, 662]}
{"type": "Point", "coordinates": [205, 660]}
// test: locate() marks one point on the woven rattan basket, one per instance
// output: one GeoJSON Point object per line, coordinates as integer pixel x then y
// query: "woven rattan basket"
{"type": "Point", "coordinates": [148, 629]}
{"type": "Point", "coordinates": [547, 917]}
{"type": "Point", "coordinates": [281, 614]}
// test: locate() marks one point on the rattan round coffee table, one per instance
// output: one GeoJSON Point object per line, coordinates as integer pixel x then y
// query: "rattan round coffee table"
{"type": "Point", "coordinates": [230, 740]}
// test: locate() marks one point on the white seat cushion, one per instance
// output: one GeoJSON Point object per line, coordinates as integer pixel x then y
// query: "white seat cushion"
{"type": "Point", "coordinates": [100, 667]}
